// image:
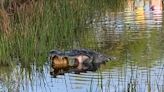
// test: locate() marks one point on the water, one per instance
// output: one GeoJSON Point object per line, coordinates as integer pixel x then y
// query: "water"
{"type": "Point", "coordinates": [134, 35]}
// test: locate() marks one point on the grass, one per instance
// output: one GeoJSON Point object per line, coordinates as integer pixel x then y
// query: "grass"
{"type": "Point", "coordinates": [31, 30]}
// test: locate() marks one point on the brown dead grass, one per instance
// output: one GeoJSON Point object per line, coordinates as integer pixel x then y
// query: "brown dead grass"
{"type": "Point", "coordinates": [4, 21]}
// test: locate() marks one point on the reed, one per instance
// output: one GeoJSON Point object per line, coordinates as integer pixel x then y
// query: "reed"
{"type": "Point", "coordinates": [30, 29]}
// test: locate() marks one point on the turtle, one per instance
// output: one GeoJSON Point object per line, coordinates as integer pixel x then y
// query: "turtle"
{"type": "Point", "coordinates": [76, 60]}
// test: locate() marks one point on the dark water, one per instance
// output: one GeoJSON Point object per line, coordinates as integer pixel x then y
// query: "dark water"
{"type": "Point", "coordinates": [133, 35]}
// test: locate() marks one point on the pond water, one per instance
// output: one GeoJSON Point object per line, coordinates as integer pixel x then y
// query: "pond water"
{"type": "Point", "coordinates": [134, 35]}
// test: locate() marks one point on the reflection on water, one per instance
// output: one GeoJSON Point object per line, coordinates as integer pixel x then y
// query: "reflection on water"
{"type": "Point", "coordinates": [139, 14]}
{"type": "Point", "coordinates": [144, 13]}
{"type": "Point", "coordinates": [133, 35]}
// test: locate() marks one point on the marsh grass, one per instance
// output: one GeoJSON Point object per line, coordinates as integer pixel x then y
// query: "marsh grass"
{"type": "Point", "coordinates": [33, 29]}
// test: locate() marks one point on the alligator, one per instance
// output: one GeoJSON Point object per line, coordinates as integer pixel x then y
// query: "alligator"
{"type": "Point", "coordinates": [76, 60]}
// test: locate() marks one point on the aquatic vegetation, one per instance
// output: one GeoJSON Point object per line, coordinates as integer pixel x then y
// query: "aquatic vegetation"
{"type": "Point", "coordinates": [29, 29]}
{"type": "Point", "coordinates": [35, 27]}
